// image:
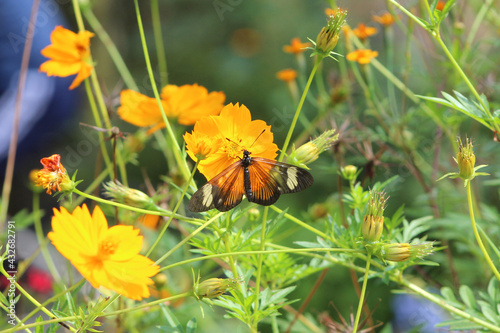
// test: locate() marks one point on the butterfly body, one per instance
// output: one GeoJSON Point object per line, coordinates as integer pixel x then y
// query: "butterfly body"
{"type": "Point", "coordinates": [261, 180]}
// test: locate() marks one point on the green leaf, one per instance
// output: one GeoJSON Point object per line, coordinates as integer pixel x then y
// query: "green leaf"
{"type": "Point", "coordinates": [191, 326]}
{"type": "Point", "coordinates": [462, 104]}
{"type": "Point", "coordinates": [489, 312]}
{"type": "Point", "coordinates": [468, 297]}
{"type": "Point", "coordinates": [449, 295]}
{"type": "Point", "coordinates": [459, 324]}
{"type": "Point", "coordinates": [39, 329]}
{"type": "Point", "coordinates": [493, 290]}
{"type": "Point", "coordinates": [171, 319]}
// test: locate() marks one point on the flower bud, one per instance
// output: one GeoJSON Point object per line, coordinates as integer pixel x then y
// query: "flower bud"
{"type": "Point", "coordinates": [466, 160]}
{"type": "Point", "coordinates": [404, 251]}
{"type": "Point", "coordinates": [310, 151]}
{"type": "Point", "coordinates": [129, 196]}
{"type": "Point", "coordinates": [253, 214]}
{"type": "Point", "coordinates": [373, 222]}
{"type": "Point", "coordinates": [349, 172]}
{"type": "Point", "coordinates": [396, 252]}
{"type": "Point", "coordinates": [213, 288]}
{"type": "Point", "coordinates": [329, 36]}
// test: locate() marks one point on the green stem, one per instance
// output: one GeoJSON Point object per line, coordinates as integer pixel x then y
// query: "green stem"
{"type": "Point", "coordinates": [113, 313]}
{"type": "Point", "coordinates": [110, 47]}
{"type": "Point", "coordinates": [181, 162]}
{"type": "Point", "coordinates": [299, 108]}
{"type": "Point", "coordinates": [242, 253]}
{"type": "Point", "coordinates": [100, 100]}
{"type": "Point", "coordinates": [476, 233]}
{"type": "Point", "coordinates": [442, 303]}
{"type": "Point", "coordinates": [161, 212]}
{"type": "Point", "coordinates": [54, 298]}
{"type": "Point", "coordinates": [437, 36]}
{"type": "Point", "coordinates": [259, 263]}
{"type": "Point", "coordinates": [164, 229]}
{"type": "Point", "coordinates": [303, 224]}
{"type": "Point", "coordinates": [98, 123]}
{"type": "Point", "coordinates": [363, 291]}
{"type": "Point", "coordinates": [41, 238]}
{"type": "Point", "coordinates": [479, 18]}
{"type": "Point", "coordinates": [160, 48]}
{"type": "Point", "coordinates": [409, 14]}
{"type": "Point", "coordinates": [31, 299]}
{"type": "Point", "coordinates": [185, 240]}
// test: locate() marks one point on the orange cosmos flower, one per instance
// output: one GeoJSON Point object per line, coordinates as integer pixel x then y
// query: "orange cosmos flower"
{"type": "Point", "coordinates": [186, 103]}
{"type": "Point", "coordinates": [189, 103]}
{"type": "Point", "coordinates": [362, 56]}
{"type": "Point", "coordinates": [363, 32]}
{"type": "Point", "coordinates": [296, 46]}
{"type": "Point", "coordinates": [228, 135]}
{"type": "Point", "coordinates": [385, 19]}
{"type": "Point", "coordinates": [53, 176]}
{"type": "Point", "coordinates": [440, 5]}
{"type": "Point", "coordinates": [140, 110]}
{"type": "Point", "coordinates": [107, 257]}
{"type": "Point", "coordinates": [330, 12]}
{"type": "Point", "coordinates": [69, 54]}
{"type": "Point", "coordinates": [287, 75]}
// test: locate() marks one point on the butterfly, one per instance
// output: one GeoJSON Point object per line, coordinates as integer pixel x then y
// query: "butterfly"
{"type": "Point", "coordinates": [260, 179]}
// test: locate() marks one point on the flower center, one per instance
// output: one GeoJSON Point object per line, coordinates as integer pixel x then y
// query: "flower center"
{"type": "Point", "coordinates": [107, 247]}
{"type": "Point", "coordinates": [233, 149]}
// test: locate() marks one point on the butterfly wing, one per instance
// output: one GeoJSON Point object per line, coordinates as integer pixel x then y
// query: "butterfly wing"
{"type": "Point", "coordinates": [223, 192]}
{"type": "Point", "coordinates": [269, 179]}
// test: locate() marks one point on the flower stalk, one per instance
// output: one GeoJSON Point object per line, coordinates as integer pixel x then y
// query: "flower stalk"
{"type": "Point", "coordinates": [476, 234]}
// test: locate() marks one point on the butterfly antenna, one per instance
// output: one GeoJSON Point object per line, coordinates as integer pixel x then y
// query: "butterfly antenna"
{"type": "Point", "coordinates": [257, 138]}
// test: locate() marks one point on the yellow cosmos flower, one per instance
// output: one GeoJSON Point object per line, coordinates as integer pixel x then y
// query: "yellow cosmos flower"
{"type": "Point", "coordinates": [190, 103]}
{"type": "Point", "coordinates": [140, 110]}
{"type": "Point", "coordinates": [107, 257]}
{"type": "Point", "coordinates": [187, 104]}
{"type": "Point", "coordinates": [296, 46]}
{"type": "Point", "coordinates": [287, 75]}
{"type": "Point", "coordinates": [53, 176]}
{"type": "Point", "coordinates": [229, 134]}
{"type": "Point", "coordinates": [385, 19]}
{"type": "Point", "coordinates": [363, 57]}
{"type": "Point", "coordinates": [363, 32]}
{"type": "Point", "coordinates": [69, 54]}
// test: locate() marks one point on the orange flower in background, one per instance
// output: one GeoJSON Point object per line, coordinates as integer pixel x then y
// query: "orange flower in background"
{"type": "Point", "coordinates": [53, 176]}
{"type": "Point", "coordinates": [440, 5]}
{"type": "Point", "coordinates": [363, 32]}
{"type": "Point", "coordinates": [296, 46]}
{"type": "Point", "coordinates": [107, 257]}
{"type": "Point", "coordinates": [330, 12]}
{"type": "Point", "coordinates": [229, 134]}
{"type": "Point", "coordinates": [385, 19]}
{"type": "Point", "coordinates": [69, 54]}
{"type": "Point", "coordinates": [189, 103]}
{"type": "Point", "coordinates": [362, 56]}
{"type": "Point", "coordinates": [287, 75]}
{"type": "Point", "coordinates": [140, 110]}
